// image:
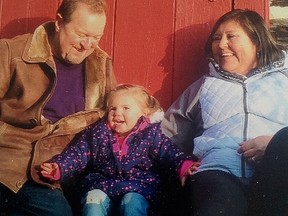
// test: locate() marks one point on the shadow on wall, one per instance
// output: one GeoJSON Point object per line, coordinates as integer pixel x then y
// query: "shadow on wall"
{"type": "Point", "coordinates": [22, 26]}
{"type": "Point", "coordinates": [184, 61]}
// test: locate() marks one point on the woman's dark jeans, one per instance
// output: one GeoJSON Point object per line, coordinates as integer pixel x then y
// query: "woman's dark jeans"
{"type": "Point", "coordinates": [33, 199]}
{"type": "Point", "coordinates": [270, 183]}
{"type": "Point", "coordinates": [217, 193]}
{"type": "Point", "coordinates": [214, 193]}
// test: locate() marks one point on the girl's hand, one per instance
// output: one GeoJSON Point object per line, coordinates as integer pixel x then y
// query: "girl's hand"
{"type": "Point", "coordinates": [190, 171]}
{"type": "Point", "coordinates": [51, 171]}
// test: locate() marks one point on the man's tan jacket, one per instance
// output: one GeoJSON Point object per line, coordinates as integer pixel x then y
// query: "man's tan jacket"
{"type": "Point", "coordinates": [27, 81]}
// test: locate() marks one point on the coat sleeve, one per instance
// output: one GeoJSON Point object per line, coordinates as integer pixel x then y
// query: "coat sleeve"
{"type": "Point", "coordinates": [75, 158]}
{"type": "Point", "coordinates": [5, 74]}
{"type": "Point", "coordinates": [168, 156]}
{"type": "Point", "coordinates": [182, 120]}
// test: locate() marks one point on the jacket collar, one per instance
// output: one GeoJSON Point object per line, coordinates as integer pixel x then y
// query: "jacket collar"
{"type": "Point", "coordinates": [37, 48]}
{"type": "Point", "coordinates": [216, 71]}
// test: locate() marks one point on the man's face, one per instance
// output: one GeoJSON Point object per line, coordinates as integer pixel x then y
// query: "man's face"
{"type": "Point", "coordinates": [78, 38]}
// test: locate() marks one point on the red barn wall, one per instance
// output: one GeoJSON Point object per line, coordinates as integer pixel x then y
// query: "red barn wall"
{"type": "Point", "coordinates": [155, 43]}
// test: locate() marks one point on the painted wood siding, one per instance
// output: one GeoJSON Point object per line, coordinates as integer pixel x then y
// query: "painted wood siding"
{"type": "Point", "coordinates": [155, 43]}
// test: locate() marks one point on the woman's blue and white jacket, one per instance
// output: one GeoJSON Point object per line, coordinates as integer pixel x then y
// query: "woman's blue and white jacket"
{"type": "Point", "coordinates": [221, 110]}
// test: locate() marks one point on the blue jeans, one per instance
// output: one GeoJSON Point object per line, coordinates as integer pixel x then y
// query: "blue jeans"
{"type": "Point", "coordinates": [33, 199]}
{"type": "Point", "coordinates": [96, 202]}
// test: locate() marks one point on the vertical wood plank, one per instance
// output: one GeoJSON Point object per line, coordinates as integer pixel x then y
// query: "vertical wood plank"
{"type": "Point", "coordinates": [106, 42]}
{"type": "Point", "coordinates": [194, 21]}
{"type": "Point", "coordinates": [25, 17]}
{"type": "Point", "coordinates": [142, 31]}
{"type": "Point", "coordinates": [1, 14]}
{"type": "Point", "coordinates": [39, 12]}
{"type": "Point", "coordinates": [11, 22]}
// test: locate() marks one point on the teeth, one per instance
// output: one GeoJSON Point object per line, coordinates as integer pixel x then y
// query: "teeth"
{"type": "Point", "coordinates": [118, 122]}
{"type": "Point", "coordinates": [227, 54]}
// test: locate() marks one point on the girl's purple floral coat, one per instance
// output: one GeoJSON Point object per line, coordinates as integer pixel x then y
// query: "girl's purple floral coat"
{"type": "Point", "coordinates": [146, 153]}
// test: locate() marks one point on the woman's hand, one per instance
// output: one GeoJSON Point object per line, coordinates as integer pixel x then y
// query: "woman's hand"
{"type": "Point", "coordinates": [253, 149]}
{"type": "Point", "coordinates": [51, 171]}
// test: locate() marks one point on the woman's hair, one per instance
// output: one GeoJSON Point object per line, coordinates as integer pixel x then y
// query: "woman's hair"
{"type": "Point", "coordinates": [67, 7]}
{"type": "Point", "coordinates": [257, 30]}
{"type": "Point", "coordinates": [141, 95]}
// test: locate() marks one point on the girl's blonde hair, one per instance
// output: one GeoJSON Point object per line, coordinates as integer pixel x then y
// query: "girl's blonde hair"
{"type": "Point", "coordinates": [147, 101]}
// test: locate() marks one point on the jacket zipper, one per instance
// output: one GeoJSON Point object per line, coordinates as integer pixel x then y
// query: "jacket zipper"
{"type": "Point", "coordinates": [243, 160]}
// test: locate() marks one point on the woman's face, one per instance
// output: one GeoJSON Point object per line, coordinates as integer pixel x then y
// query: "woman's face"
{"type": "Point", "coordinates": [233, 50]}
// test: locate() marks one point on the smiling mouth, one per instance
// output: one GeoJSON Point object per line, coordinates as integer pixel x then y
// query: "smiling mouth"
{"type": "Point", "coordinates": [226, 54]}
{"type": "Point", "coordinates": [118, 122]}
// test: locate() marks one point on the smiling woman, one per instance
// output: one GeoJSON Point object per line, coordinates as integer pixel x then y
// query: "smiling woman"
{"type": "Point", "coordinates": [228, 117]}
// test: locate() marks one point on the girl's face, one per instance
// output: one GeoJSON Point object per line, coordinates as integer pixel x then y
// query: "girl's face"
{"type": "Point", "coordinates": [233, 50]}
{"type": "Point", "coordinates": [124, 112]}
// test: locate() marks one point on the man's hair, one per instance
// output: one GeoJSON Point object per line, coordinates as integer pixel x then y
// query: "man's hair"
{"type": "Point", "coordinates": [67, 7]}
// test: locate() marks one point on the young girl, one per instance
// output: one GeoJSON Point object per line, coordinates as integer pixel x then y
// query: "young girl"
{"type": "Point", "coordinates": [125, 155]}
